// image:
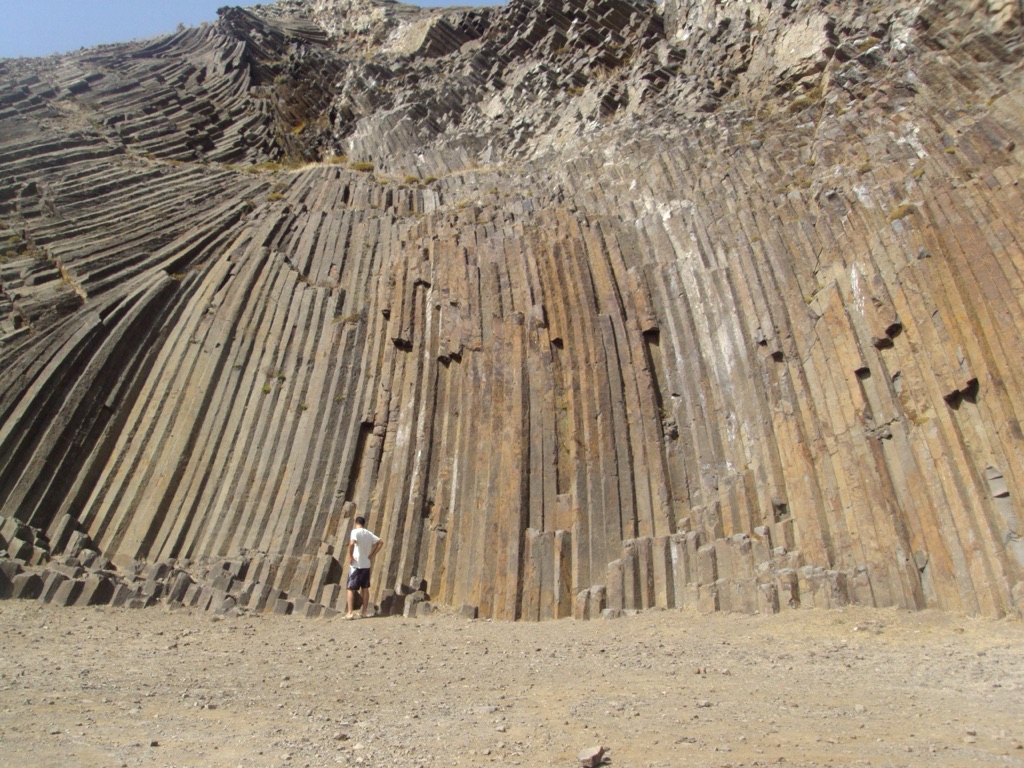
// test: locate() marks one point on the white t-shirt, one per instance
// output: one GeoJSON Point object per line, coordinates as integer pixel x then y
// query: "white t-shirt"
{"type": "Point", "coordinates": [364, 540]}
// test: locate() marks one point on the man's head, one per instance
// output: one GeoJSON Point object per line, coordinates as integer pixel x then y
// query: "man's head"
{"type": "Point", "coordinates": [361, 521]}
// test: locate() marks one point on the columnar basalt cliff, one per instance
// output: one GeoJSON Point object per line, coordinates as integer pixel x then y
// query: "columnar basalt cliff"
{"type": "Point", "coordinates": [585, 304]}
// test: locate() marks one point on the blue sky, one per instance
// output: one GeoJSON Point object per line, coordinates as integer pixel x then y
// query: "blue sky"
{"type": "Point", "coordinates": [42, 27]}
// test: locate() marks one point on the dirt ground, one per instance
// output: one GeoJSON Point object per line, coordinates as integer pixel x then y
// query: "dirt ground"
{"type": "Point", "coordinates": [159, 687]}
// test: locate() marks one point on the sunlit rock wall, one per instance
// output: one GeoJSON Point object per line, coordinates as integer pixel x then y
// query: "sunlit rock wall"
{"type": "Point", "coordinates": [583, 305]}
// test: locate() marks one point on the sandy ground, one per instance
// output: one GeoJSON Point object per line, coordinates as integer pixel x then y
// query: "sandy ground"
{"type": "Point", "coordinates": [112, 687]}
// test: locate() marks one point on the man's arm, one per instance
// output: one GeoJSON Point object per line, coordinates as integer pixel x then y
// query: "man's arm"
{"type": "Point", "coordinates": [377, 546]}
{"type": "Point", "coordinates": [348, 556]}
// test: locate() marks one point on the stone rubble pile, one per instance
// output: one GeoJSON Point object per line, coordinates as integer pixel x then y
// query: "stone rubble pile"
{"type": "Point", "coordinates": [80, 576]}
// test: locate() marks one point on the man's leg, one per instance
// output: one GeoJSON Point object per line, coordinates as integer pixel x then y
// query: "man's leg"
{"type": "Point", "coordinates": [351, 602]}
{"type": "Point", "coordinates": [366, 600]}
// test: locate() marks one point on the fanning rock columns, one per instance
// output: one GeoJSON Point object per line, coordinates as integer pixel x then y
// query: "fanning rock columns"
{"type": "Point", "coordinates": [583, 304]}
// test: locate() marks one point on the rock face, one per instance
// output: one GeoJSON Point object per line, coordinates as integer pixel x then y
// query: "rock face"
{"type": "Point", "coordinates": [586, 305]}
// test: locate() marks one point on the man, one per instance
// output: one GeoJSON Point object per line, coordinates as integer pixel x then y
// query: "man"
{"type": "Point", "coordinates": [362, 546]}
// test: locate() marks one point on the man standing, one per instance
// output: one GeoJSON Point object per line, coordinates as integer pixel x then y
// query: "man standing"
{"type": "Point", "coordinates": [362, 546]}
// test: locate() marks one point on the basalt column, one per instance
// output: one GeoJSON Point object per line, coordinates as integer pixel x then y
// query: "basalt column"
{"type": "Point", "coordinates": [583, 304]}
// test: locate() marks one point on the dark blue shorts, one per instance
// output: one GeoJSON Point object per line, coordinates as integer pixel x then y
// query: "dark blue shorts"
{"type": "Point", "coordinates": [358, 578]}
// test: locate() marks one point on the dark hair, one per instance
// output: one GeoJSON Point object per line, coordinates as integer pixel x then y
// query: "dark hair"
{"type": "Point", "coordinates": [361, 520]}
